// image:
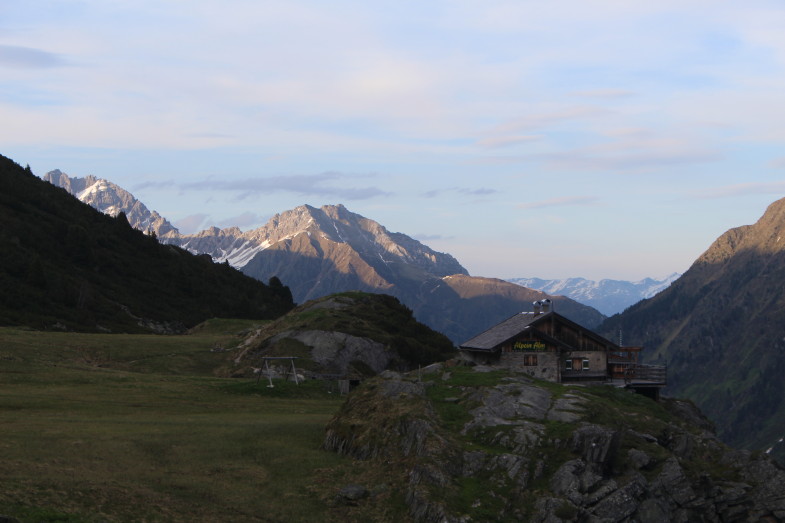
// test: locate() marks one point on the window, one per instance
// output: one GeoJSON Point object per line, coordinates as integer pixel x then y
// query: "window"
{"type": "Point", "coordinates": [585, 365]}
{"type": "Point", "coordinates": [568, 364]}
{"type": "Point", "coordinates": [530, 360]}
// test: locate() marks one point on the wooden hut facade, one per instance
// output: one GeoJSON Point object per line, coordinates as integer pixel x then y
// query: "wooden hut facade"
{"type": "Point", "coordinates": [549, 346]}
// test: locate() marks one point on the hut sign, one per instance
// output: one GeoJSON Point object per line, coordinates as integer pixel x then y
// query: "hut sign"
{"type": "Point", "coordinates": [528, 345]}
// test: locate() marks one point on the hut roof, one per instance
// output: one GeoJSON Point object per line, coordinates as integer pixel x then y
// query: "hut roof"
{"type": "Point", "coordinates": [498, 334]}
{"type": "Point", "coordinates": [492, 338]}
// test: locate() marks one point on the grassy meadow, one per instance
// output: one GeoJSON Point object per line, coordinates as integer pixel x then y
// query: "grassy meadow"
{"type": "Point", "coordinates": [112, 427]}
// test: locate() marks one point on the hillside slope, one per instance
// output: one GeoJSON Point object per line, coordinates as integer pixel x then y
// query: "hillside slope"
{"type": "Point", "coordinates": [719, 330]}
{"type": "Point", "coordinates": [351, 334]}
{"type": "Point", "coordinates": [478, 444]}
{"type": "Point", "coordinates": [64, 265]}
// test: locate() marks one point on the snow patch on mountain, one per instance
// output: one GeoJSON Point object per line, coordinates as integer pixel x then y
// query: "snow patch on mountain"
{"type": "Point", "coordinates": [607, 296]}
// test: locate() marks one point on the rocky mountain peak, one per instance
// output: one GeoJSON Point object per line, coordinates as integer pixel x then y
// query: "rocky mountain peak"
{"type": "Point", "coordinates": [72, 185]}
{"type": "Point", "coordinates": [372, 241]}
{"type": "Point", "coordinates": [112, 199]}
{"type": "Point", "coordinates": [767, 235]}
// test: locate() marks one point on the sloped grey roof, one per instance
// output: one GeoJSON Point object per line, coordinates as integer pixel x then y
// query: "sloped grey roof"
{"type": "Point", "coordinates": [503, 331]}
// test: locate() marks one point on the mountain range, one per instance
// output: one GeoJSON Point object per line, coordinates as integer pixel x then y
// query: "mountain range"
{"type": "Point", "coordinates": [719, 328]}
{"type": "Point", "coordinates": [319, 251]}
{"type": "Point", "coordinates": [607, 296]}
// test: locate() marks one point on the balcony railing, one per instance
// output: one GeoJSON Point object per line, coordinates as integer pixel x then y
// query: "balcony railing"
{"type": "Point", "coordinates": [640, 372]}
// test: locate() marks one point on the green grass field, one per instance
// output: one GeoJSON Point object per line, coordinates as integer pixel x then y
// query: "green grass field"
{"type": "Point", "coordinates": [144, 428]}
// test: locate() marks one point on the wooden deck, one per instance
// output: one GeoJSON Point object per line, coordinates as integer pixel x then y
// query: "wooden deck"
{"type": "Point", "coordinates": [652, 375]}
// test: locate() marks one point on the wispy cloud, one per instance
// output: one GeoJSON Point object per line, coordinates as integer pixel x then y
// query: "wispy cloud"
{"type": "Point", "coordinates": [497, 142]}
{"type": "Point", "coordinates": [303, 184]}
{"type": "Point", "coordinates": [567, 201]}
{"type": "Point", "coordinates": [740, 189]}
{"type": "Point", "coordinates": [607, 160]}
{"type": "Point", "coordinates": [605, 93]}
{"type": "Point", "coordinates": [431, 237]}
{"type": "Point", "coordinates": [545, 119]}
{"type": "Point", "coordinates": [28, 58]}
{"type": "Point", "coordinates": [482, 191]}
{"type": "Point", "coordinates": [243, 220]}
{"type": "Point", "coordinates": [210, 135]}
{"type": "Point", "coordinates": [625, 160]}
{"type": "Point", "coordinates": [164, 184]}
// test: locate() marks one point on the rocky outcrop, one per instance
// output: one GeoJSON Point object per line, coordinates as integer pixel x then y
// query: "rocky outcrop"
{"type": "Point", "coordinates": [479, 446]}
{"type": "Point", "coordinates": [352, 335]}
{"type": "Point", "coordinates": [337, 351]}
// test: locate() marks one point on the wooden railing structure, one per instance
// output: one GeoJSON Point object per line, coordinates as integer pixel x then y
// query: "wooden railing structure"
{"type": "Point", "coordinates": [638, 372]}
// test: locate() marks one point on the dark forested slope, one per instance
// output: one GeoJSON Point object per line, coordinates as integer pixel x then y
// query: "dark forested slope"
{"type": "Point", "coordinates": [65, 265]}
{"type": "Point", "coordinates": [720, 328]}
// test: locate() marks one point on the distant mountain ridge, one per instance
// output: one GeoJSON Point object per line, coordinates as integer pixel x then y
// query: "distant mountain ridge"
{"type": "Point", "coordinates": [334, 223]}
{"type": "Point", "coordinates": [607, 296]}
{"type": "Point", "coordinates": [719, 328]}
{"type": "Point", "coordinates": [321, 251]}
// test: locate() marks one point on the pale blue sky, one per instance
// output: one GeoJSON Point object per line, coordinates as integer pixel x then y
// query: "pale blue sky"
{"type": "Point", "coordinates": [602, 139]}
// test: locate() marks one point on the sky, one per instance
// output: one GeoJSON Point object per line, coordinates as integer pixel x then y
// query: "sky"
{"type": "Point", "coordinates": [568, 138]}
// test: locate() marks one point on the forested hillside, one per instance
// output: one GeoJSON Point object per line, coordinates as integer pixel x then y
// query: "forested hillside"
{"type": "Point", "coordinates": [64, 265]}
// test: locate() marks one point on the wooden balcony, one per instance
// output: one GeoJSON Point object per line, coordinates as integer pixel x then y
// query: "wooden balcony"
{"type": "Point", "coordinates": [639, 373]}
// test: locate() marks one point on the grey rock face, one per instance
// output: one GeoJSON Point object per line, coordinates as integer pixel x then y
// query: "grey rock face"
{"type": "Point", "coordinates": [567, 409]}
{"type": "Point", "coordinates": [592, 472]}
{"type": "Point", "coordinates": [595, 444]}
{"type": "Point", "coordinates": [504, 403]}
{"type": "Point", "coordinates": [337, 350]}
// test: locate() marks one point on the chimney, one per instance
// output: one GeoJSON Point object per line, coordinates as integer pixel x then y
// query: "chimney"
{"type": "Point", "coordinates": [537, 307]}
{"type": "Point", "coordinates": [547, 305]}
